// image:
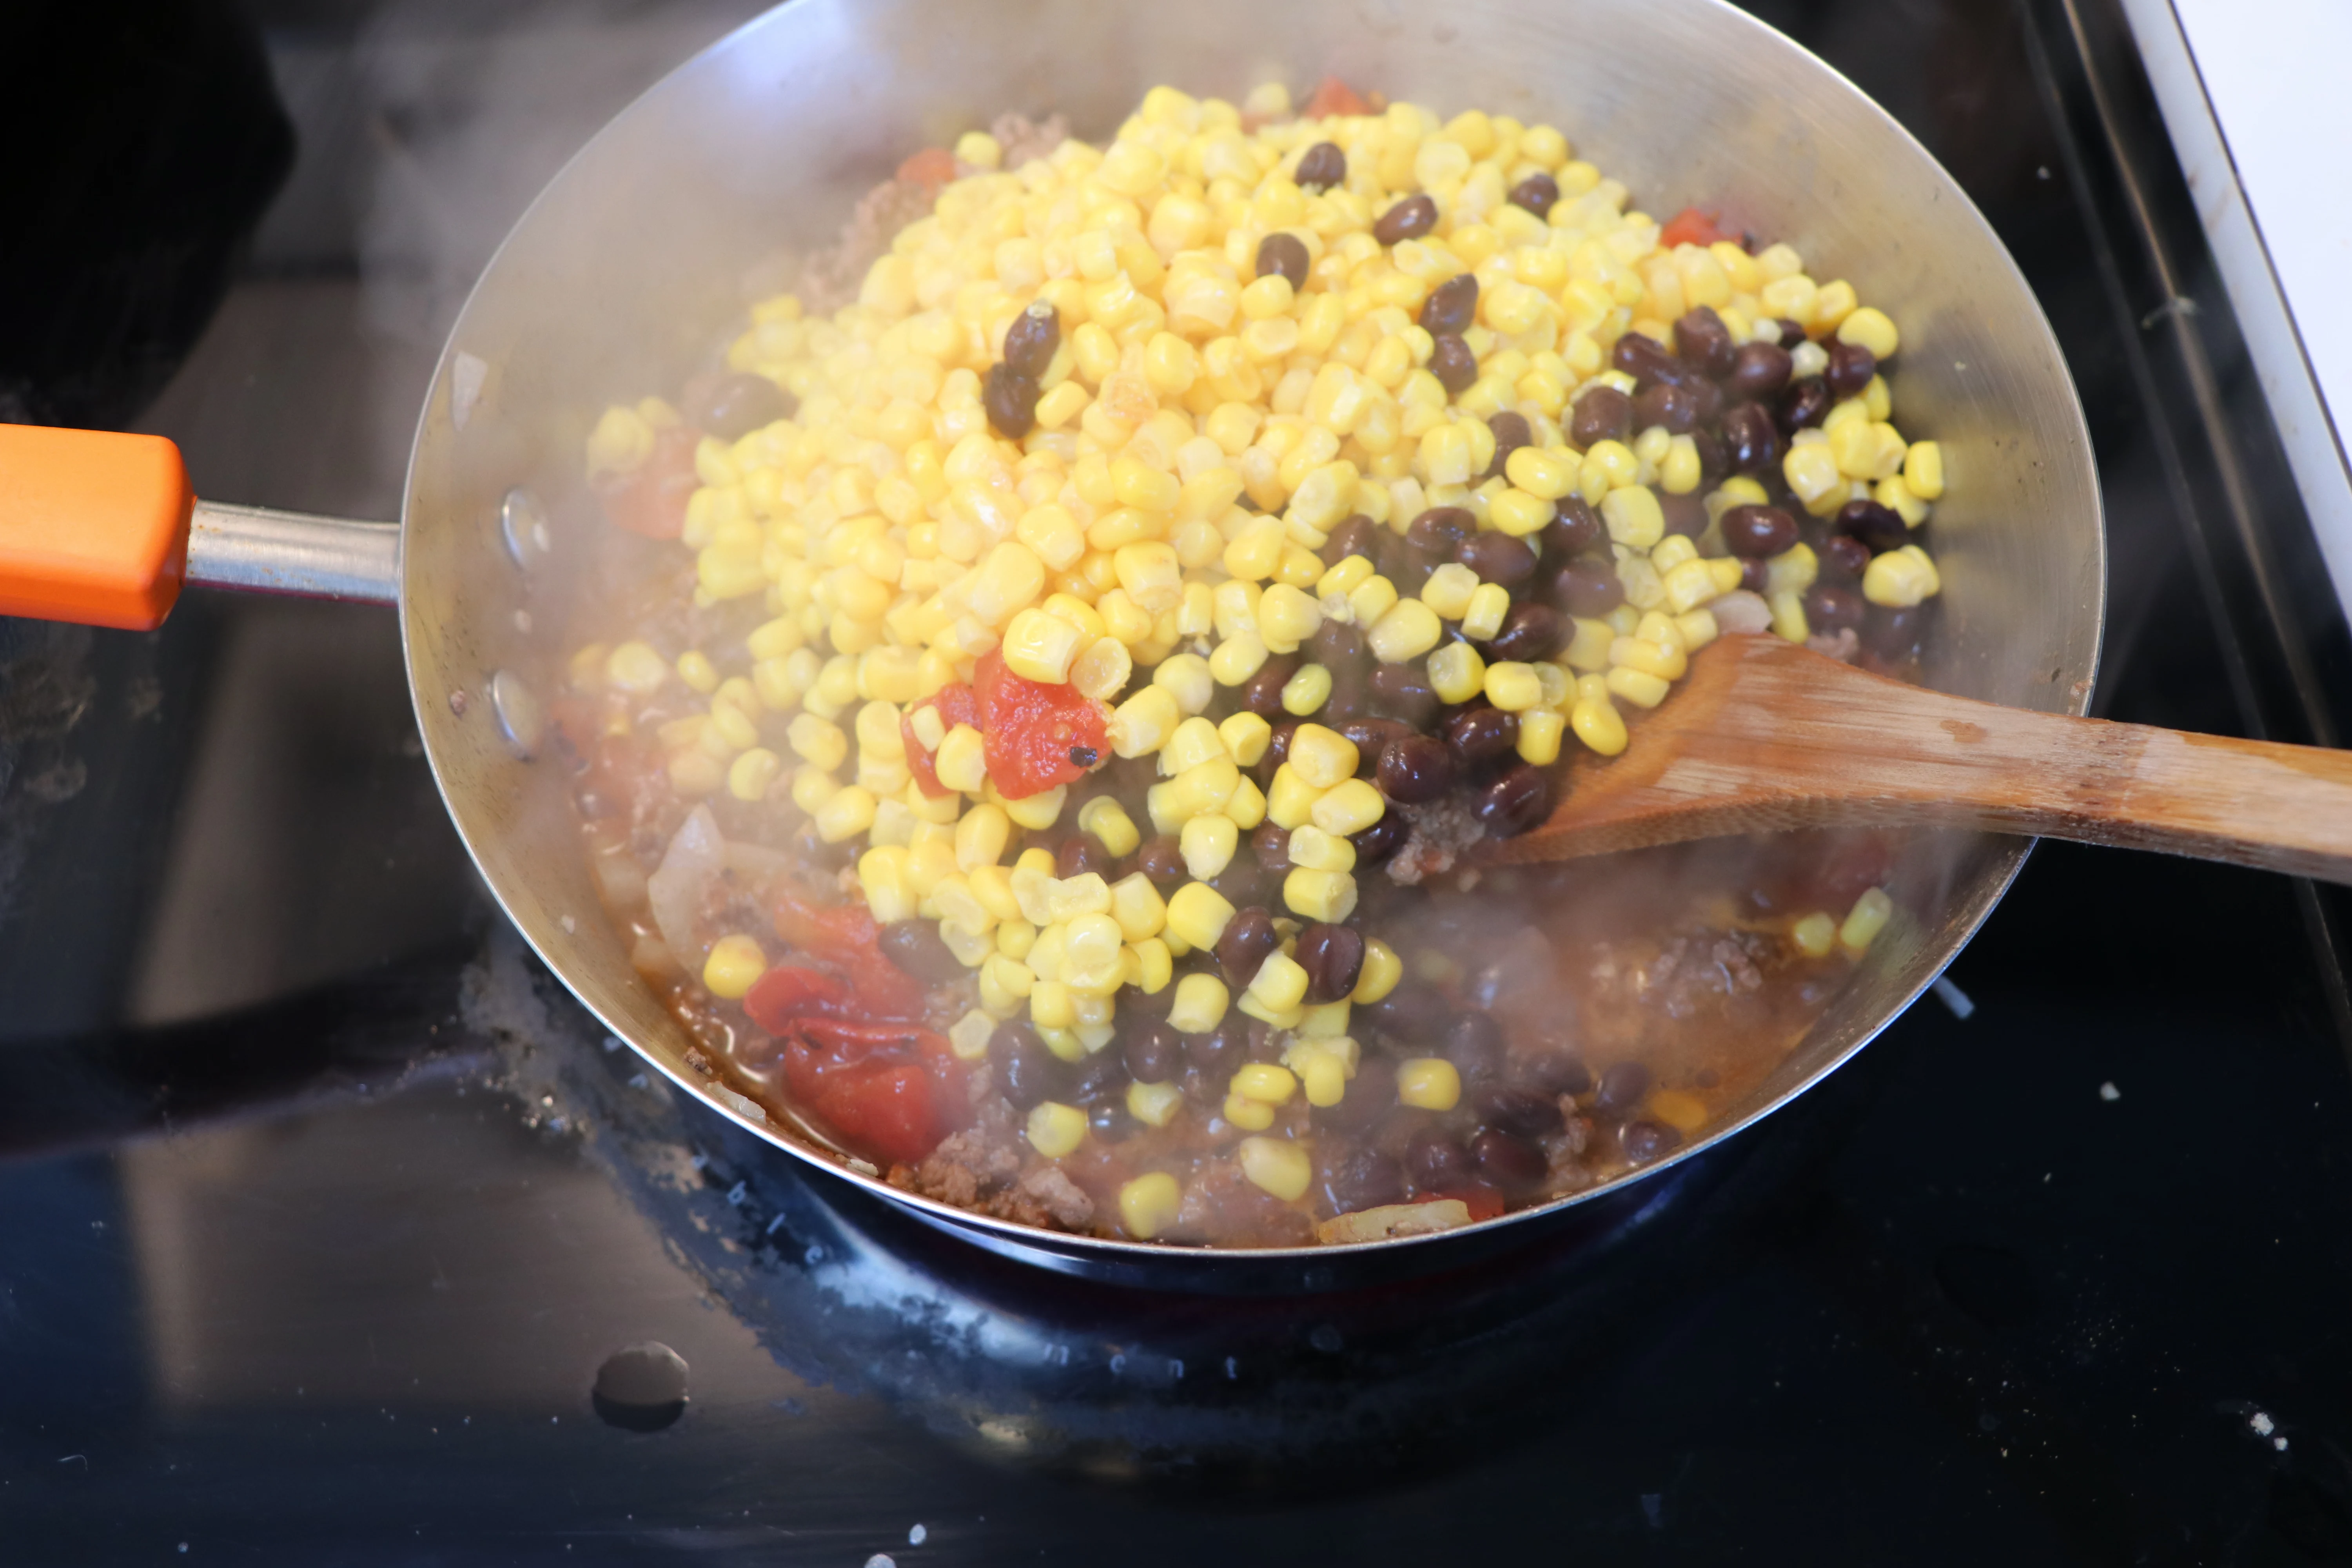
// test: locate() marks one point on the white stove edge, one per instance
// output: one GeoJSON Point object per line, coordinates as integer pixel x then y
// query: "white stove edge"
{"type": "Point", "coordinates": [2295, 387]}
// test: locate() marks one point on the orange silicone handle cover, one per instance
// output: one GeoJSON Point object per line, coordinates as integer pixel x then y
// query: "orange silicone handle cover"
{"type": "Point", "coordinates": [93, 526]}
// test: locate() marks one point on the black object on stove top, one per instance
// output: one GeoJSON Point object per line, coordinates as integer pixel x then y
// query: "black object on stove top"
{"type": "Point", "coordinates": [342, 1235]}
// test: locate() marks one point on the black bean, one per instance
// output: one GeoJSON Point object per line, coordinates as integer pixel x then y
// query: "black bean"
{"type": "Point", "coordinates": [1498, 558]}
{"type": "Point", "coordinates": [1154, 1053]}
{"type": "Point", "coordinates": [1442, 530]}
{"type": "Point", "coordinates": [1518, 801]}
{"type": "Point", "coordinates": [1453, 364]}
{"type": "Point", "coordinates": [1844, 558]}
{"type": "Point", "coordinates": [1880, 528]}
{"type": "Point", "coordinates": [1031, 340]}
{"type": "Point", "coordinates": [1536, 193]}
{"type": "Point", "coordinates": [915, 946]}
{"type": "Point", "coordinates": [1081, 853]}
{"type": "Point", "coordinates": [1831, 609]}
{"type": "Point", "coordinates": [1413, 1016]}
{"type": "Point", "coordinates": [1451, 306]}
{"type": "Point", "coordinates": [1026, 1072]}
{"type": "Point", "coordinates": [1509, 1162]}
{"type": "Point", "coordinates": [1556, 1071]}
{"type": "Point", "coordinates": [1684, 514]}
{"type": "Point", "coordinates": [1702, 340]}
{"type": "Point", "coordinates": [1010, 399]}
{"type": "Point", "coordinates": [1270, 842]}
{"type": "Point", "coordinates": [1515, 1108]}
{"type": "Point", "coordinates": [1791, 333]}
{"type": "Point", "coordinates": [1322, 166]}
{"type": "Point", "coordinates": [1481, 734]}
{"type": "Point", "coordinates": [1337, 646]}
{"type": "Point", "coordinates": [1403, 692]}
{"type": "Point", "coordinates": [1754, 576]}
{"type": "Point", "coordinates": [1850, 369]}
{"type": "Point", "coordinates": [1530, 632]}
{"type": "Point", "coordinates": [1161, 861]}
{"type": "Point", "coordinates": [1709, 399]}
{"type": "Point", "coordinates": [1333, 957]}
{"type": "Point", "coordinates": [1675, 407]}
{"type": "Point", "coordinates": [1511, 433]}
{"type": "Point", "coordinates": [1148, 1004]}
{"type": "Point", "coordinates": [1249, 937]}
{"type": "Point", "coordinates": [1755, 532]}
{"type": "Point", "coordinates": [1622, 1087]}
{"type": "Point", "coordinates": [1220, 1053]}
{"type": "Point", "coordinates": [1803, 406]}
{"type": "Point", "coordinates": [1371, 738]}
{"type": "Point", "coordinates": [1473, 1044]}
{"type": "Point", "coordinates": [1262, 693]}
{"type": "Point", "coordinates": [1647, 361]}
{"type": "Point", "coordinates": [1751, 441]}
{"type": "Point", "coordinates": [1759, 371]}
{"type": "Point", "coordinates": [1286, 255]}
{"type": "Point", "coordinates": [733, 406]}
{"type": "Point", "coordinates": [1893, 633]}
{"type": "Point", "coordinates": [1587, 586]}
{"type": "Point", "coordinates": [1350, 697]}
{"type": "Point", "coordinates": [1383, 838]}
{"type": "Point", "coordinates": [1646, 1141]}
{"type": "Point", "coordinates": [1099, 1077]}
{"type": "Point", "coordinates": [1360, 1178]}
{"type": "Point", "coordinates": [1436, 1162]}
{"type": "Point", "coordinates": [1601, 413]}
{"type": "Point", "coordinates": [1408, 219]}
{"type": "Point", "coordinates": [1712, 462]}
{"type": "Point", "coordinates": [1278, 745]}
{"type": "Point", "coordinates": [1574, 529]}
{"type": "Point", "coordinates": [1355, 535]}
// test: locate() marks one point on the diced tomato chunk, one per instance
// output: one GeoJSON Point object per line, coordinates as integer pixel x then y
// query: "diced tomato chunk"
{"type": "Point", "coordinates": [887, 1090]}
{"type": "Point", "coordinates": [1331, 96]}
{"type": "Point", "coordinates": [933, 167]}
{"type": "Point", "coordinates": [845, 938]}
{"type": "Point", "coordinates": [1038, 735]}
{"type": "Point", "coordinates": [956, 705]}
{"type": "Point", "coordinates": [651, 498]}
{"type": "Point", "coordinates": [788, 993]}
{"type": "Point", "coordinates": [1692, 227]}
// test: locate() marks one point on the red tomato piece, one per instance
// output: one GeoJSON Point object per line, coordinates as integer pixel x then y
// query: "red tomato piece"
{"type": "Point", "coordinates": [790, 993]}
{"type": "Point", "coordinates": [957, 705]}
{"type": "Point", "coordinates": [1331, 96]}
{"type": "Point", "coordinates": [1037, 736]}
{"type": "Point", "coordinates": [845, 938]}
{"type": "Point", "coordinates": [1691, 226]}
{"type": "Point", "coordinates": [651, 498]}
{"type": "Point", "coordinates": [885, 1090]}
{"type": "Point", "coordinates": [933, 167]}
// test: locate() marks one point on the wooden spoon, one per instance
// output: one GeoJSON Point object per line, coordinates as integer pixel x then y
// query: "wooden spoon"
{"type": "Point", "coordinates": [1763, 734]}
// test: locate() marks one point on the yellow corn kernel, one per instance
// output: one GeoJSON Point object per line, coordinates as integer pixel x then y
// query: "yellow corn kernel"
{"type": "Point", "coordinates": [1286, 617]}
{"type": "Point", "coordinates": [1208, 843]}
{"type": "Point", "coordinates": [1055, 1130]}
{"type": "Point", "coordinates": [1037, 812]}
{"type": "Point", "coordinates": [1812, 470]}
{"type": "Point", "coordinates": [1865, 920]}
{"type": "Point", "coordinates": [1900, 578]}
{"type": "Point", "coordinates": [1788, 621]}
{"type": "Point", "coordinates": [1198, 790]}
{"type": "Point", "coordinates": [1696, 628]}
{"type": "Point", "coordinates": [1448, 590]}
{"type": "Point", "coordinates": [1307, 689]}
{"type": "Point", "coordinates": [1280, 986]}
{"type": "Point", "coordinates": [1265, 1082]}
{"type": "Point", "coordinates": [694, 668]}
{"type": "Point", "coordinates": [1141, 724]}
{"type": "Point", "coordinates": [1815, 935]}
{"type": "Point", "coordinates": [1237, 659]}
{"type": "Point", "coordinates": [1199, 1005]}
{"type": "Point", "coordinates": [1187, 678]}
{"type": "Point", "coordinates": [1895, 494]}
{"type": "Point", "coordinates": [1136, 907]}
{"type": "Point", "coordinates": [1250, 1115]}
{"type": "Point", "coordinates": [1871, 328]}
{"type": "Point", "coordinates": [1633, 517]}
{"type": "Point", "coordinates": [1051, 1006]}
{"type": "Point", "coordinates": [1276, 1166]}
{"type": "Point", "coordinates": [1637, 686]}
{"type": "Point", "coordinates": [1148, 1204]}
{"type": "Point", "coordinates": [849, 813]}
{"type": "Point", "coordinates": [1923, 470]}
{"type": "Point", "coordinates": [1383, 969]}
{"type": "Point", "coordinates": [1319, 850]}
{"type": "Point", "coordinates": [1326, 896]}
{"type": "Point", "coordinates": [1539, 735]}
{"type": "Point", "coordinates": [1349, 807]}
{"type": "Point", "coordinates": [1489, 603]}
{"type": "Point", "coordinates": [1343, 579]}
{"type": "Point", "coordinates": [735, 963]}
{"type": "Point", "coordinates": [1198, 913]}
{"type": "Point", "coordinates": [1456, 672]}
{"type": "Point", "coordinates": [1588, 649]}
{"type": "Point", "coordinates": [1322, 757]}
{"type": "Point", "coordinates": [1546, 475]}
{"type": "Point", "coordinates": [1246, 736]}
{"type": "Point", "coordinates": [1291, 799]}
{"type": "Point", "coordinates": [1104, 817]}
{"type": "Point", "coordinates": [1322, 1075]}
{"type": "Point", "coordinates": [751, 775]}
{"type": "Point", "coordinates": [1432, 1083]}
{"type": "Point", "coordinates": [1878, 398]}
{"type": "Point", "coordinates": [1666, 662]}
{"type": "Point", "coordinates": [1409, 629]}
{"type": "Point", "coordinates": [1196, 740]}
{"type": "Point", "coordinates": [1039, 646]}
{"type": "Point", "coordinates": [1513, 686]}
{"type": "Point", "coordinates": [818, 742]}
{"type": "Point", "coordinates": [962, 762]}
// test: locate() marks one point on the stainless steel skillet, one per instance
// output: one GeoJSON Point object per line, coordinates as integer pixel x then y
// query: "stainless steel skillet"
{"type": "Point", "coordinates": [632, 264]}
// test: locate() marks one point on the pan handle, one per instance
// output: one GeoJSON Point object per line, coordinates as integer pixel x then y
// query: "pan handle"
{"type": "Point", "coordinates": [100, 527]}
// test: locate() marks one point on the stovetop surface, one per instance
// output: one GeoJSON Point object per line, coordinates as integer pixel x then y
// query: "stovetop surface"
{"type": "Point", "coordinates": [321, 1208]}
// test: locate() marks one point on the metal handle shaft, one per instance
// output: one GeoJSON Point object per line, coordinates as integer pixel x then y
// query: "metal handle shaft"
{"type": "Point", "coordinates": [259, 550]}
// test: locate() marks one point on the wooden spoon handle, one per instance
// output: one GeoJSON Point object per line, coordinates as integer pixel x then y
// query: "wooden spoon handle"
{"type": "Point", "coordinates": [1768, 736]}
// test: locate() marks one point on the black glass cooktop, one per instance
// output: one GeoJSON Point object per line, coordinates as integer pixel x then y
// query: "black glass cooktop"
{"type": "Point", "coordinates": [332, 1232]}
